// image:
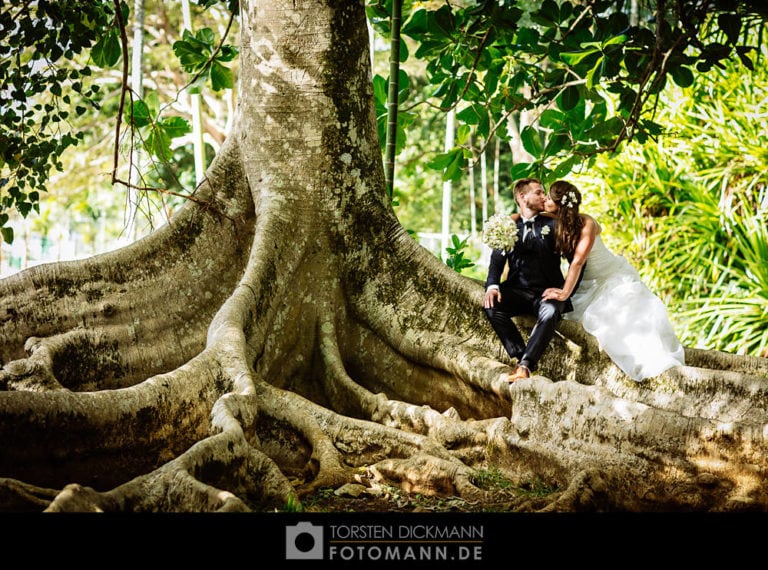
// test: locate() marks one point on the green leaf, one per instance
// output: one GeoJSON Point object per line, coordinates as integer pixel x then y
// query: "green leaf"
{"type": "Point", "coordinates": [556, 143]}
{"type": "Point", "coordinates": [106, 52]}
{"type": "Point", "coordinates": [227, 53]}
{"type": "Point", "coordinates": [453, 170]}
{"type": "Point", "coordinates": [462, 134]}
{"type": "Point", "coordinates": [403, 86]}
{"type": "Point", "coordinates": [191, 56]}
{"type": "Point", "coordinates": [403, 53]}
{"type": "Point", "coordinates": [206, 37]}
{"type": "Point", "coordinates": [221, 77]}
{"type": "Point", "coordinates": [196, 40]}
{"type": "Point", "coordinates": [551, 118]}
{"type": "Point", "coordinates": [441, 22]}
{"type": "Point", "coordinates": [138, 115]}
{"type": "Point", "coordinates": [528, 36]}
{"type": "Point", "coordinates": [175, 127]}
{"type": "Point", "coordinates": [569, 98]}
{"type": "Point", "coordinates": [731, 25]}
{"type": "Point", "coordinates": [473, 93]}
{"type": "Point", "coordinates": [441, 161]}
{"type": "Point", "coordinates": [491, 80]}
{"type": "Point", "coordinates": [450, 163]}
{"type": "Point", "coordinates": [417, 25]}
{"type": "Point", "coordinates": [483, 128]}
{"type": "Point", "coordinates": [469, 115]}
{"type": "Point", "coordinates": [682, 76]}
{"type": "Point", "coordinates": [451, 95]}
{"type": "Point", "coordinates": [651, 127]}
{"type": "Point", "coordinates": [456, 259]}
{"type": "Point", "coordinates": [379, 10]}
{"type": "Point", "coordinates": [7, 234]}
{"type": "Point", "coordinates": [548, 12]}
{"type": "Point", "coordinates": [576, 57]}
{"type": "Point", "coordinates": [152, 99]}
{"type": "Point", "coordinates": [745, 61]}
{"type": "Point", "coordinates": [531, 141]}
{"type": "Point", "coordinates": [594, 74]}
{"type": "Point", "coordinates": [620, 39]}
{"type": "Point", "coordinates": [563, 169]}
{"type": "Point", "coordinates": [380, 90]}
{"type": "Point", "coordinates": [522, 170]}
{"type": "Point", "coordinates": [381, 127]}
{"type": "Point", "coordinates": [610, 128]}
{"type": "Point", "coordinates": [159, 144]}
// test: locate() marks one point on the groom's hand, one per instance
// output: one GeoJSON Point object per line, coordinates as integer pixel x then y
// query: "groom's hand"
{"type": "Point", "coordinates": [491, 296]}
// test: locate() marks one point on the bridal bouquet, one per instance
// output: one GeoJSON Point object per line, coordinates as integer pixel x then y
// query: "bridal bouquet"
{"type": "Point", "coordinates": [500, 232]}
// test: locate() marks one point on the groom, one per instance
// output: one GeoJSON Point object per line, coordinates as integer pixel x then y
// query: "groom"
{"type": "Point", "coordinates": [533, 267]}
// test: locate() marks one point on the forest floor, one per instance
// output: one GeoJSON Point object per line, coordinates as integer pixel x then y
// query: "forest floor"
{"type": "Point", "coordinates": [500, 496]}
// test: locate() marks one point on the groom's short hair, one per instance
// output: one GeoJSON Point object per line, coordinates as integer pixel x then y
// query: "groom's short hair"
{"type": "Point", "coordinates": [521, 187]}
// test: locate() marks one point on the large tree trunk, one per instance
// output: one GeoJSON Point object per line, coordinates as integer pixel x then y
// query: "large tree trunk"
{"type": "Point", "coordinates": [289, 332]}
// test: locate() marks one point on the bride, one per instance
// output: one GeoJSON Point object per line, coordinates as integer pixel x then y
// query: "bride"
{"type": "Point", "coordinates": [611, 302]}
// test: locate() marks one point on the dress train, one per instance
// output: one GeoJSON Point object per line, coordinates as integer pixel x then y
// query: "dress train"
{"type": "Point", "coordinates": [629, 321]}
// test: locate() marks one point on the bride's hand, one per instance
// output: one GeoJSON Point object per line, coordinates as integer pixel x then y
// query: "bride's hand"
{"type": "Point", "coordinates": [554, 294]}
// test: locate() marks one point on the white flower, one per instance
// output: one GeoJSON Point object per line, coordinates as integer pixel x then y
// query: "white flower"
{"type": "Point", "coordinates": [569, 200]}
{"type": "Point", "coordinates": [545, 230]}
{"type": "Point", "coordinates": [500, 232]}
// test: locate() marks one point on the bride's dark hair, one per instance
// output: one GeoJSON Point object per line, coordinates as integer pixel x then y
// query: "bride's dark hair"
{"type": "Point", "coordinates": [568, 229]}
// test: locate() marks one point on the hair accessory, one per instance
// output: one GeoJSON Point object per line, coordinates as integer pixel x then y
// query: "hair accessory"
{"type": "Point", "coordinates": [569, 200]}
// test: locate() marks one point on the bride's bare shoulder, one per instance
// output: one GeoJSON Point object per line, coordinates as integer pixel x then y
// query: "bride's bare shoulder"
{"type": "Point", "coordinates": [590, 220]}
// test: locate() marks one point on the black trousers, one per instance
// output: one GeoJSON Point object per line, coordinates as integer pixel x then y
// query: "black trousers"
{"type": "Point", "coordinates": [516, 302]}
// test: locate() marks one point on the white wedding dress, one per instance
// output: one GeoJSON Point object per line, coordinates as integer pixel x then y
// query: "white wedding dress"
{"type": "Point", "coordinates": [629, 321]}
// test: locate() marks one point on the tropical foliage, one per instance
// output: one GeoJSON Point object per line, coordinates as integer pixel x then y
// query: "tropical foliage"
{"type": "Point", "coordinates": [573, 80]}
{"type": "Point", "coordinates": [45, 77]}
{"type": "Point", "coordinates": [65, 85]}
{"type": "Point", "coordinates": [690, 209]}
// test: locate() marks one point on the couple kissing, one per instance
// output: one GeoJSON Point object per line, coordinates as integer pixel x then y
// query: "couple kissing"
{"type": "Point", "coordinates": [601, 290]}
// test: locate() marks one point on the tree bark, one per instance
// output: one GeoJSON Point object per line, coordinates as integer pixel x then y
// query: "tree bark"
{"type": "Point", "coordinates": [287, 334]}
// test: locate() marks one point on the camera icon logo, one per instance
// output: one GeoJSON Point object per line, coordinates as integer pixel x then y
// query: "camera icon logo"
{"type": "Point", "coordinates": [304, 541]}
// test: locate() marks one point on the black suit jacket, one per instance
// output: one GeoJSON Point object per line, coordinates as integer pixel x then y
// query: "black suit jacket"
{"type": "Point", "coordinates": [533, 266]}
